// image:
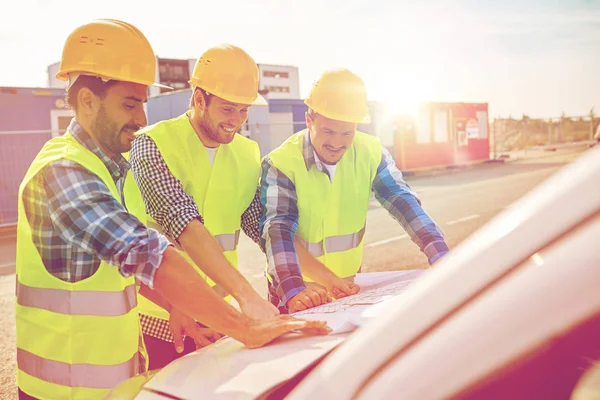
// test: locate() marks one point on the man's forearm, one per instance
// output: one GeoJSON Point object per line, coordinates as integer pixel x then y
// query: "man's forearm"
{"type": "Point", "coordinates": [179, 284]}
{"type": "Point", "coordinates": [206, 253]}
{"type": "Point", "coordinates": [310, 266]}
{"type": "Point", "coordinates": [155, 297]}
{"type": "Point", "coordinates": [284, 266]}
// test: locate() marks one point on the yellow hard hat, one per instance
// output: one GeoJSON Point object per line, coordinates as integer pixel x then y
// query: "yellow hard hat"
{"type": "Point", "coordinates": [341, 95]}
{"type": "Point", "coordinates": [109, 49]}
{"type": "Point", "coordinates": [228, 72]}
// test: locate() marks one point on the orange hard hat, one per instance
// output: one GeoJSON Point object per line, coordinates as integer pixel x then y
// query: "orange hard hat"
{"type": "Point", "coordinates": [228, 72]}
{"type": "Point", "coordinates": [111, 50]}
{"type": "Point", "coordinates": [341, 95]}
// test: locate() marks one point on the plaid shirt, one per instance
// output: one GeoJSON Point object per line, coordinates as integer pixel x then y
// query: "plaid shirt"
{"type": "Point", "coordinates": [76, 222]}
{"type": "Point", "coordinates": [280, 219]}
{"type": "Point", "coordinates": [172, 208]}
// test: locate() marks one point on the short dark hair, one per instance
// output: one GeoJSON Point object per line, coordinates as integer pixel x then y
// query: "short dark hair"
{"type": "Point", "coordinates": [312, 113]}
{"type": "Point", "coordinates": [205, 95]}
{"type": "Point", "coordinates": [94, 83]}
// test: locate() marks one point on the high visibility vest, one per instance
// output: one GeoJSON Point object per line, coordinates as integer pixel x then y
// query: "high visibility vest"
{"type": "Point", "coordinates": [332, 216]}
{"type": "Point", "coordinates": [222, 192]}
{"type": "Point", "coordinates": [74, 340]}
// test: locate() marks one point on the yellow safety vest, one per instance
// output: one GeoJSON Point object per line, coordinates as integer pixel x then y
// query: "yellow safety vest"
{"type": "Point", "coordinates": [332, 216]}
{"type": "Point", "coordinates": [222, 192]}
{"type": "Point", "coordinates": [74, 340]}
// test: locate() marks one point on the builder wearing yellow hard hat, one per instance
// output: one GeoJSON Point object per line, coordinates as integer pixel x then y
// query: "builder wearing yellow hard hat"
{"type": "Point", "coordinates": [315, 190]}
{"type": "Point", "coordinates": [198, 178]}
{"type": "Point", "coordinates": [79, 251]}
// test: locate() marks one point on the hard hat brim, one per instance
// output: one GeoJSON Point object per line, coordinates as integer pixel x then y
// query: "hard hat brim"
{"type": "Point", "coordinates": [158, 85]}
{"type": "Point", "coordinates": [64, 76]}
{"type": "Point", "coordinates": [365, 120]}
{"type": "Point", "coordinates": [260, 101]}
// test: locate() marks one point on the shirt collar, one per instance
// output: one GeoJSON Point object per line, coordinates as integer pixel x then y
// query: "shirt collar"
{"type": "Point", "coordinates": [308, 152]}
{"type": "Point", "coordinates": [117, 166]}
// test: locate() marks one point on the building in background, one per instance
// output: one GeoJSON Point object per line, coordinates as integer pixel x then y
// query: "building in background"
{"type": "Point", "coordinates": [53, 81]}
{"type": "Point", "coordinates": [279, 81]}
{"type": "Point", "coordinates": [443, 134]}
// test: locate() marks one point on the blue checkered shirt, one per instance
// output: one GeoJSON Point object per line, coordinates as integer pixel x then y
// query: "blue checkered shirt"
{"type": "Point", "coordinates": [280, 219]}
{"type": "Point", "coordinates": [76, 222]}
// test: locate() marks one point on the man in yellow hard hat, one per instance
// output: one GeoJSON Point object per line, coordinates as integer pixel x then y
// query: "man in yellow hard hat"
{"type": "Point", "coordinates": [315, 190]}
{"type": "Point", "coordinates": [79, 251]}
{"type": "Point", "coordinates": [198, 178]}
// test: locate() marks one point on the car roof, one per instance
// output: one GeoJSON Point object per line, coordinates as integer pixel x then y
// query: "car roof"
{"type": "Point", "coordinates": [475, 267]}
{"type": "Point", "coordinates": [497, 343]}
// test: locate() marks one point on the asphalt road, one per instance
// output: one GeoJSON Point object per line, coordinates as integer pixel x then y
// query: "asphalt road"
{"type": "Point", "coordinates": [460, 202]}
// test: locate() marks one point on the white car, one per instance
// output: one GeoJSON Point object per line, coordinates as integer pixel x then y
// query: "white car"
{"type": "Point", "coordinates": [513, 312]}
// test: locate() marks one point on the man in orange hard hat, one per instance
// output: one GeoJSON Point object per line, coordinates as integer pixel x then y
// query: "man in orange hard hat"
{"type": "Point", "coordinates": [79, 251]}
{"type": "Point", "coordinates": [315, 191]}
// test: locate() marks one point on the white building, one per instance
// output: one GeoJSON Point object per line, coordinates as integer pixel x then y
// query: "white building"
{"type": "Point", "coordinates": [52, 81]}
{"type": "Point", "coordinates": [281, 81]}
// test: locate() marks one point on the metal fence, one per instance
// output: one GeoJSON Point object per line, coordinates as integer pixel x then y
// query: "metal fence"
{"type": "Point", "coordinates": [17, 150]}
{"type": "Point", "coordinates": [510, 134]}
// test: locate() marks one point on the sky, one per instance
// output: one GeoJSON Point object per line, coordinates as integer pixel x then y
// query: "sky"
{"type": "Point", "coordinates": [535, 57]}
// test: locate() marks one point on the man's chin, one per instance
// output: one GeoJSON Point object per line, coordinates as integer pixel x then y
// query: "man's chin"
{"type": "Point", "coordinates": [124, 148]}
{"type": "Point", "coordinates": [226, 139]}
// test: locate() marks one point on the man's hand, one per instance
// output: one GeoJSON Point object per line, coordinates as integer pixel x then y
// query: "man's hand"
{"type": "Point", "coordinates": [314, 295]}
{"type": "Point", "coordinates": [205, 336]}
{"type": "Point", "coordinates": [256, 307]}
{"type": "Point", "coordinates": [340, 287]}
{"type": "Point", "coordinates": [261, 332]}
{"type": "Point", "coordinates": [181, 326]}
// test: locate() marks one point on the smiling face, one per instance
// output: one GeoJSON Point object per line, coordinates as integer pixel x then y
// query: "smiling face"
{"type": "Point", "coordinates": [330, 138]}
{"type": "Point", "coordinates": [117, 116]}
{"type": "Point", "coordinates": [216, 120]}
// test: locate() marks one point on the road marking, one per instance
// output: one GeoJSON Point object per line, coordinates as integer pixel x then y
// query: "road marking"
{"type": "Point", "coordinates": [379, 243]}
{"type": "Point", "coordinates": [464, 219]}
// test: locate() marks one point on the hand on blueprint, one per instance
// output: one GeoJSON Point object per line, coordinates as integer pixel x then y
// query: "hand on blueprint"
{"type": "Point", "coordinates": [256, 307]}
{"type": "Point", "coordinates": [181, 326]}
{"type": "Point", "coordinates": [340, 287]}
{"type": "Point", "coordinates": [205, 336]}
{"type": "Point", "coordinates": [261, 332]}
{"type": "Point", "coordinates": [314, 295]}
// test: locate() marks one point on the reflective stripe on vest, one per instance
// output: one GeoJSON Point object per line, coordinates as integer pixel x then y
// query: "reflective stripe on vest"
{"type": "Point", "coordinates": [228, 241]}
{"type": "Point", "coordinates": [335, 243]}
{"type": "Point", "coordinates": [77, 375]}
{"type": "Point", "coordinates": [84, 302]}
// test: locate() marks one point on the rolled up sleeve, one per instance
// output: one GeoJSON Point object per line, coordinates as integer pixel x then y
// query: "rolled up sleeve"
{"type": "Point", "coordinates": [277, 229]}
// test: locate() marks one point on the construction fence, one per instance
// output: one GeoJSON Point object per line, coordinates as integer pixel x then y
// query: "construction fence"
{"type": "Point", "coordinates": [17, 151]}
{"type": "Point", "coordinates": [509, 134]}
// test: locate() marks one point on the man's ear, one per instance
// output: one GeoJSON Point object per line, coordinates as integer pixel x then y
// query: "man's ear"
{"type": "Point", "coordinates": [199, 101]}
{"type": "Point", "coordinates": [308, 120]}
{"type": "Point", "coordinates": [86, 100]}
